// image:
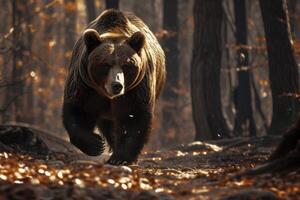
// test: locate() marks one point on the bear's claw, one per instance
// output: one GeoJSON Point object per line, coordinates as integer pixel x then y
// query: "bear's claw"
{"type": "Point", "coordinates": [117, 160]}
{"type": "Point", "coordinates": [90, 144]}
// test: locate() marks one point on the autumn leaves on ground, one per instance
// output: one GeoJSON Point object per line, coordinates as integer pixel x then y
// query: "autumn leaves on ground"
{"type": "Point", "coordinates": [192, 171]}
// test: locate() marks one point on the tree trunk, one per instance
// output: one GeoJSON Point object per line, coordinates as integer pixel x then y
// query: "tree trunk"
{"type": "Point", "coordinates": [5, 56]}
{"type": "Point", "coordinates": [112, 4]}
{"type": "Point", "coordinates": [170, 44]}
{"type": "Point", "coordinates": [244, 120]}
{"type": "Point", "coordinates": [292, 9]}
{"type": "Point", "coordinates": [48, 35]}
{"type": "Point", "coordinates": [70, 27]}
{"type": "Point", "coordinates": [58, 61]}
{"type": "Point", "coordinates": [185, 44]}
{"type": "Point", "coordinates": [90, 10]}
{"type": "Point", "coordinates": [150, 12]}
{"type": "Point", "coordinates": [283, 72]}
{"type": "Point", "coordinates": [20, 95]}
{"type": "Point", "coordinates": [205, 71]}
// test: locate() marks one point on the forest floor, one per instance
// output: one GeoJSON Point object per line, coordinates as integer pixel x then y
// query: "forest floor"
{"type": "Point", "coordinates": [35, 165]}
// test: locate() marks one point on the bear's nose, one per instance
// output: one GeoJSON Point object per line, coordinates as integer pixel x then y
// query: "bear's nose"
{"type": "Point", "coordinates": [116, 87]}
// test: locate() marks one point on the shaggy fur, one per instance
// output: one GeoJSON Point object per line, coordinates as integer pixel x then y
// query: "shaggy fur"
{"type": "Point", "coordinates": [124, 121]}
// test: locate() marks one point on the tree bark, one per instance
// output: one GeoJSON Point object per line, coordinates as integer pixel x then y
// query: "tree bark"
{"type": "Point", "coordinates": [288, 143]}
{"type": "Point", "coordinates": [185, 44]}
{"type": "Point", "coordinates": [90, 10]}
{"type": "Point", "coordinates": [21, 92]}
{"type": "Point", "coordinates": [70, 27]}
{"type": "Point", "coordinates": [170, 45]}
{"type": "Point", "coordinates": [48, 35]}
{"type": "Point", "coordinates": [150, 12]}
{"type": "Point", "coordinates": [285, 158]}
{"type": "Point", "coordinates": [283, 72]}
{"type": "Point", "coordinates": [244, 120]}
{"type": "Point", "coordinates": [205, 71]}
{"type": "Point", "coordinates": [292, 9]}
{"type": "Point", "coordinates": [5, 56]}
{"type": "Point", "coordinates": [112, 4]}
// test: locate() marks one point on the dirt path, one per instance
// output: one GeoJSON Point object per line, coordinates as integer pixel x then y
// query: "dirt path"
{"type": "Point", "coordinates": [192, 171]}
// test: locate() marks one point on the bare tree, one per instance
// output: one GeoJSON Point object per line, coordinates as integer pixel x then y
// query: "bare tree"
{"type": "Point", "coordinates": [205, 71]}
{"type": "Point", "coordinates": [170, 45]}
{"type": "Point", "coordinates": [242, 93]}
{"type": "Point", "coordinates": [292, 9]}
{"type": "Point", "coordinates": [283, 72]}
{"type": "Point", "coordinates": [20, 93]}
{"type": "Point", "coordinates": [112, 4]}
{"type": "Point", "coordinates": [45, 70]}
{"type": "Point", "coordinates": [150, 12]}
{"type": "Point", "coordinates": [90, 10]}
{"type": "Point", "coordinates": [70, 26]}
{"type": "Point", "coordinates": [5, 54]}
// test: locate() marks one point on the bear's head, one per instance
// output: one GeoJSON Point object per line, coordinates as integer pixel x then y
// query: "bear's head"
{"type": "Point", "coordinates": [115, 63]}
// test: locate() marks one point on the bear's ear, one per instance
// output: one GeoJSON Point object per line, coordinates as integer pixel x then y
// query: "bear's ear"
{"type": "Point", "coordinates": [137, 41]}
{"type": "Point", "coordinates": [91, 39]}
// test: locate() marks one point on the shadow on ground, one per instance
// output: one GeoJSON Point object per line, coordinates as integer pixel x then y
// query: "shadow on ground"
{"type": "Point", "coordinates": [36, 165]}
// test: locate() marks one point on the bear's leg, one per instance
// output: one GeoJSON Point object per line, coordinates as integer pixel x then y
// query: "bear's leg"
{"type": "Point", "coordinates": [80, 126]}
{"type": "Point", "coordinates": [131, 132]}
{"type": "Point", "coordinates": [106, 127]}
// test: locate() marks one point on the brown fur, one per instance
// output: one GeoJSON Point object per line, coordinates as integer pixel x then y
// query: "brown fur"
{"type": "Point", "coordinates": [122, 28]}
{"type": "Point", "coordinates": [113, 39]}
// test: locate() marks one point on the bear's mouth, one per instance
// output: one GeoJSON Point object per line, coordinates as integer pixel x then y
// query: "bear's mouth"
{"type": "Point", "coordinates": [114, 90]}
{"type": "Point", "coordinates": [115, 82]}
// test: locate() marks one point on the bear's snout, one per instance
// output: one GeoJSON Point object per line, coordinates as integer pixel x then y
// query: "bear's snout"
{"type": "Point", "coordinates": [115, 82]}
{"type": "Point", "coordinates": [116, 87]}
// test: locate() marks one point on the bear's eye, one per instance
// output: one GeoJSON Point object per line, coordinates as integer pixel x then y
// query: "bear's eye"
{"type": "Point", "coordinates": [130, 72]}
{"type": "Point", "coordinates": [128, 65]}
{"type": "Point", "coordinates": [105, 67]}
{"type": "Point", "coordinates": [98, 72]}
{"type": "Point", "coordinates": [131, 61]}
{"type": "Point", "coordinates": [103, 70]}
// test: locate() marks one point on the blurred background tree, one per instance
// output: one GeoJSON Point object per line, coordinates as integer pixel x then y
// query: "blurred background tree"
{"type": "Point", "coordinates": [283, 69]}
{"type": "Point", "coordinates": [170, 94]}
{"type": "Point", "coordinates": [244, 120]}
{"type": "Point", "coordinates": [205, 71]}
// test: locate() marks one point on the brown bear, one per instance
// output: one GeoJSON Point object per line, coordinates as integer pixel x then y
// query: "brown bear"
{"type": "Point", "coordinates": [116, 73]}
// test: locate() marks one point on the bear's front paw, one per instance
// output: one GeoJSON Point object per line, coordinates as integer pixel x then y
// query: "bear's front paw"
{"type": "Point", "coordinates": [90, 144]}
{"type": "Point", "coordinates": [116, 159]}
